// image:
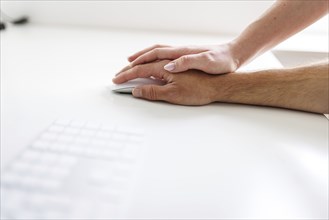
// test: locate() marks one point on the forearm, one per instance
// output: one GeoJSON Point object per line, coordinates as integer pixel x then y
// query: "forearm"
{"type": "Point", "coordinates": [281, 21]}
{"type": "Point", "coordinates": [303, 88]}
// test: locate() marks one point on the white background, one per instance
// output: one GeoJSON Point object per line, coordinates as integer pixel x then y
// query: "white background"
{"type": "Point", "coordinates": [219, 17]}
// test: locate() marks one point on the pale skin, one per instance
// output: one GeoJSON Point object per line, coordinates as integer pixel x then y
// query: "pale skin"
{"type": "Point", "coordinates": [303, 88]}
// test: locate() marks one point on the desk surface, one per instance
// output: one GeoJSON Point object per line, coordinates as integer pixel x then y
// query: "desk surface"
{"type": "Point", "coordinates": [229, 161]}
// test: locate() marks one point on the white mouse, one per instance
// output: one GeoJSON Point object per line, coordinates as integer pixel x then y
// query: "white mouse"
{"type": "Point", "coordinates": [128, 87]}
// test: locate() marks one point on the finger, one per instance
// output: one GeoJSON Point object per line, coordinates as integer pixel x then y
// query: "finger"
{"type": "Point", "coordinates": [143, 71]}
{"type": "Point", "coordinates": [192, 61]}
{"type": "Point", "coordinates": [124, 69]}
{"type": "Point", "coordinates": [164, 53]}
{"type": "Point", "coordinates": [156, 54]}
{"type": "Point", "coordinates": [151, 92]}
{"type": "Point", "coordinates": [134, 56]}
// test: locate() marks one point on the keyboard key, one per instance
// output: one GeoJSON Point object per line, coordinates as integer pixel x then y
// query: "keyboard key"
{"type": "Point", "coordinates": [117, 136]}
{"type": "Point", "coordinates": [75, 149]}
{"type": "Point", "coordinates": [62, 122]}
{"type": "Point", "coordinates": [49, 184]}
{"type": "Point", "coordinates": [92, 125]}
{"type": "Point", "coordinates": [40, 144]}
{"type": "Point", "coordinates": [38, 169]}
{"type": "Point", "coordinates": [30, 155]}
{"type": "Point", "coordinates": [58, 147]}
{"type": "Point", "coordinates": [56, 128]}
{"type": "Point", "coordinates": [108, 128]}
{"type": "Point", "coordinates": [20, 166]}
{"type": "Point", "coordinates": [82, 140]}
{"type": "Point", "coordinates": [30, 182]}
{"type": "Point", "coordinates": [48, 158]}
{"type": "Point", "coordinates": [71, 131]}
{"type": "Point", "coordinates": [100, 178]}
{"type": "Point", "coordinates": [99, 142]}
{"type": "Point", "coordinates": [111, 154]}
{"type": "Point", "coordinates": [65, 138]}
{"type": "Point", "coordinates": [87, 132]}
{"type": "Point", "coordinates": [93, 152]}
{"type": "Point", "coordinates": [77, 124]}
{"type": "Point", "coordinates": [103, 135]}
{"type": "Point", "coordinates": [114, 145]}
{"type": "Point", "coordinates": [67, 160]}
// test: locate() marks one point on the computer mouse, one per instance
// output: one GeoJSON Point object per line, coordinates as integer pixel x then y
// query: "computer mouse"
{"type": "Point", "coordinates": [128, 87]}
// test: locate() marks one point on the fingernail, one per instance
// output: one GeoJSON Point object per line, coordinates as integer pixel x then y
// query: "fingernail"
{"type": "Point", "coordinates": [169, 67]}
{"type": "Point", "coordinates": [137, 92]}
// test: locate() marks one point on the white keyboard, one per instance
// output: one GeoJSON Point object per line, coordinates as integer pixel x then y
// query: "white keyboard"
{"type": "Point", "coordinates": [73, 170]}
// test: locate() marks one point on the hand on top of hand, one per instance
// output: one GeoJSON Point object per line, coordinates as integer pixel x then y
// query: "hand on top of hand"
{"type": "Point", "coordinates": [192, 87]}
{"type": "Point", "coordinates": [215, 59]}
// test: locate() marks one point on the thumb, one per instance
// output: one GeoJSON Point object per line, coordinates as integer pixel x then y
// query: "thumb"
{"type": "Point", "coordinates": [192, 61]}
{"type": "Point", "coordinates": [151, 92]}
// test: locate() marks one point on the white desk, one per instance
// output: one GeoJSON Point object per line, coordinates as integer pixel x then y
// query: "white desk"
{"type": "Point", "coordinates": [217, 161]}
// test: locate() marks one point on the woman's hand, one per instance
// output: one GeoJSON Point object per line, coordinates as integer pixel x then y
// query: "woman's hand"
{"type": "Point", "coordinates": [215, 59]}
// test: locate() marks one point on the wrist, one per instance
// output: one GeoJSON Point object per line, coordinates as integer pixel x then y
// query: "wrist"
{"type": "Point", "coordinates": [247, 46]}
{"type": "Point", "coordinates": [236, 53]}
{"type": "Point", "coordinates": [222, 86]}
{"type": "Point", "coordinates": [239, 87]}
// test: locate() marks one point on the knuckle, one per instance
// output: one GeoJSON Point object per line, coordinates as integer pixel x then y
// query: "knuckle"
{"type": "Point", "coordinates": [166, 76]}
{"type": "Point", "coordinates": [173, 93]}
{"type": "Point", "coordinates": [174, 96]}
{"type": "Point", "coordinates": [189, 48]}
{"type": "Point", "coordinates": [137, 61]}
{"type": "Point", "coordinates": [184, 60]}
{"type": "Point", "coordinates": [123, 76]}
{"type": "Point", "coordinates": [209, 57]}
{"type": "Point", "coordinates": [136, 68]}
{"type": "Point", "coordinates": [137, 71]}
{"type": "Point", "coordinates": [211, 53]}
{"type": "Point", "coordinates": [158, 45]}
{"type": "Point", "coordinates": [156, 51]}
{"type": "Point", "coordinates": [152, 93]}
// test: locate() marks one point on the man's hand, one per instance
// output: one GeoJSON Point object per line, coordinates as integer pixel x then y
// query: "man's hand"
{"type": "Point", "coordinates": [302, 88]}
{"type": "Point", "coordinates": [210, 59]}
{"type": "Point", "coordinates": [188, 88]}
